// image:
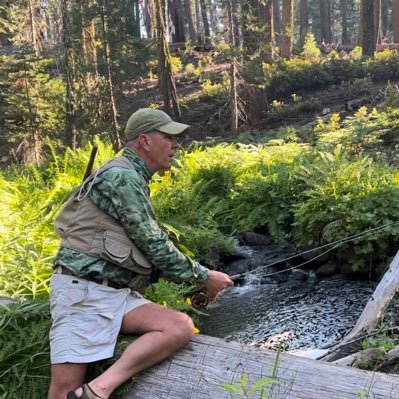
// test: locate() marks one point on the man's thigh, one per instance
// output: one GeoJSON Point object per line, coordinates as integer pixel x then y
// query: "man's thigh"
{"type": "Point", "coordinates": [152, 317]}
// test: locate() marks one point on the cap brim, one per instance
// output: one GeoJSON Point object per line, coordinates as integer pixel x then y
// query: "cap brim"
{"type": "Point", "coordinates": [173, 128]}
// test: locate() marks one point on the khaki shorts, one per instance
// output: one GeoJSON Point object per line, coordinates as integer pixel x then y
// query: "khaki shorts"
{"type": "Point", "coordinates": [86, 318]}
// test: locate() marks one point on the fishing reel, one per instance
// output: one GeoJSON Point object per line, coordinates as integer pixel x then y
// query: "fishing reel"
{"type": "Point", "coordinates": [200, 297]}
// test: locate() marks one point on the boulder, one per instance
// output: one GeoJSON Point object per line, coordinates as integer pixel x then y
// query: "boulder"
{"type": "Point", "coordinates": [254, 239]}
{"type": "Point", "coordinates": [326, 270]}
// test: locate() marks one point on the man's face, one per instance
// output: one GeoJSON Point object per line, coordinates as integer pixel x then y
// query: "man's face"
{"type": "Point", "coordinates": [161, 149]}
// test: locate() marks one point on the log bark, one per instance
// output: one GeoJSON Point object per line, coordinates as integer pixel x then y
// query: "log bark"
{"type": "Point", "coordinates": [371, 314]}
{"type": "Point", "coordinates": [391, 358]}
{"type": "Point", "coordinates": [199, 369]}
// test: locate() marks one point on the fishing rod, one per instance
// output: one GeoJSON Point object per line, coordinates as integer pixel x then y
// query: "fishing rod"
{"type": "Point", "coordinates": [200, 297]}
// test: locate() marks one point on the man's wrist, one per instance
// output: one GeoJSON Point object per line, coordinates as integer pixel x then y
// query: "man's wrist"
{"type": "Point", "coordinates": [201, 274]}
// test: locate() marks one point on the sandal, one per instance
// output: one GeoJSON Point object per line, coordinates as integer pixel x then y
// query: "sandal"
{"type": "Point", "coordinates": [88, 393]}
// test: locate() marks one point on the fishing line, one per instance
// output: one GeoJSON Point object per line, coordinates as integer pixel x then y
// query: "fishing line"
{"type": "Point", "coordinates": [333, 245]}
{"type": "Point", "coordinates": [200, 297]}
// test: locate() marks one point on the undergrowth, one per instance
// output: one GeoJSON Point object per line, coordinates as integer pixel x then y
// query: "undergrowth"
{"type": "Point", "coordinates": [307, 186]}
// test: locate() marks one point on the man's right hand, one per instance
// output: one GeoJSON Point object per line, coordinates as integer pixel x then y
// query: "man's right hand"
{"type": "Point", "coordinates": [216, 282]}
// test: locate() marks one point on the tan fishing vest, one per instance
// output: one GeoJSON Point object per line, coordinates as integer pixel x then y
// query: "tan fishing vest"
{"type": "Point", "coordinates": [84, 227]}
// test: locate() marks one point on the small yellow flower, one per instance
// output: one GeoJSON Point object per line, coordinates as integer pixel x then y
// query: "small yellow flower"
{"type": "Point", "coordinates": [188, 300]}
{"type": "Point", "coordinates": [177, 301]}
{"type": "Point", "coordinates": [196, 330]}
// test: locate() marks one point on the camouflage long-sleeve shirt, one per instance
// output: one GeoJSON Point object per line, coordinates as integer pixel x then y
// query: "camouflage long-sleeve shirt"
{"type": "Point", "coordinates": [124, 194]}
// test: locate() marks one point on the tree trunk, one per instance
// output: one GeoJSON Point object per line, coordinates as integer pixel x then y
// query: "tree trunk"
{"type": "Point", "coordinates": [176, 21]}
{"type": "Point", "coordinates": [236, 23]}
{"type": "Point", "coordinates": [344, 16]}
{"type": "Point", "coordinates": [147, 13]}
{"type": "Point", "coordinates": [287, 28]}
{"type": "Point", "coordinates": [33, 27]}
{"type": "Point", "coordinates": [32, 146]}
{"type": "Point", "coordinates": [367, 18]}
{"type": "Point", "coordinates": [165, 76]}
{"type": "Point", "coordinates": [200, 36]}
{"type": "Point", "coordinates": [230, 18]}
{"type": "Point", "coordinates": [277, 21]}
{"type": "Point", "coordinates": [251, 21]}
{"type": "Point", "coordinates": [233, 97]}
{"type": "Point", "coordinates": [115, 137]}
{"type": "Point", "coordinates": [266, 19]}
{"type": "Point", "coordinates": [70, 114]}
{"type": "Point", "coordinates": [325, 21]}
{"type": "Point", "coordinates": [201, 368]}
{"type": "Point", "coordinates": [395, 20]}
{"type": "Point", "coordinates": [213, 15]}
{"type": "Point", "coordinates": [189, 19]}
{"type": "Point", "coordinates": [233, 71]}
{"type": "Point", "coordinates": [385, 6]}
{"type": "Point", "coordinates": [205, 21]}
{"type": "Point", "coordinates": [377, 21]}
{"type": "Point", "coordinates": [136, 16]}
{"type": "Point", "coordinates": [303, 19]}
{"type": "Point", "coordinates": [360, 27]}
{"type": "Point", "coordinates": [89, 38]}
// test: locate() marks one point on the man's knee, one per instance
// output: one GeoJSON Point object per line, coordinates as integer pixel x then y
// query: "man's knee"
{"type": "Point", "coordinates": [181, 326]}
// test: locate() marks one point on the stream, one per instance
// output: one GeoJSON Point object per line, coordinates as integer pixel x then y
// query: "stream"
{"type": "Point", "coordinates": [308, 314]}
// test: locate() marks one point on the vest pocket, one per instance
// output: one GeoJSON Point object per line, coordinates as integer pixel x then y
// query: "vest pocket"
{"type": "Point", "coordinates": [117, 250]}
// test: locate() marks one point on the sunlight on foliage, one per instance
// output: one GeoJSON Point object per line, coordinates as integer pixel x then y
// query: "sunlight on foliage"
{"type": "Point", "coordinates": [310, 50]}
{"type": "Point", "coordinates": [307, 194]}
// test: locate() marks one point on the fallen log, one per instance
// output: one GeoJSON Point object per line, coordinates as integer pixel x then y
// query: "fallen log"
{"type": "Point", "coordinates": [371, 314]}
{"type": "Point", "coordinates": [199, 369]}
{"type": "Point", "coordinates": [391, 358]}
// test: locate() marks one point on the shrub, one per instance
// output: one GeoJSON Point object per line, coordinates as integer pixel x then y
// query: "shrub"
{"type": "Point", "coordinates": [355, 194]}
{"type": "Point", "coordinates": [310, 50]}
{"type": "Point", "coordinates": [176, 63]}
{"type": "Point", "coordinates": [210, 89]}
{"type": "Point", "coordinates": [191, 71]}
{"type": "Point", "coordinates": [356, 88]}
{"type": "Point", "coordinates": [287, 76]}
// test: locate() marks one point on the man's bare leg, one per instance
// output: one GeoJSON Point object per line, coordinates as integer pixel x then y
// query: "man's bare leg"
{"type": "Point", "coordinates": [64, 378]}
{"type": "Point", "coordinates": [164, 332]}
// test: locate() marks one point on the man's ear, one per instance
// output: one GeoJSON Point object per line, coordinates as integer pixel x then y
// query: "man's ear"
{"type": "Point", "coordinates": [144, 141]}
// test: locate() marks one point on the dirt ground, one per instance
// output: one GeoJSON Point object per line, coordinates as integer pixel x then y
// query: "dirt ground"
{"type": "Point", "coordinates": [209, 117]}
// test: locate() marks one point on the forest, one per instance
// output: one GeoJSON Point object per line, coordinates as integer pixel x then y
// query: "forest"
{"type": "Point", "coordinates": [73, 69]}
{"type": "Point", "coordinates": [294, 114]}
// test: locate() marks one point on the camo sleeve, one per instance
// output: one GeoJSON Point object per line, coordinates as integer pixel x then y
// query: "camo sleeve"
{"type": "Point", "coordinates": [124, 194]}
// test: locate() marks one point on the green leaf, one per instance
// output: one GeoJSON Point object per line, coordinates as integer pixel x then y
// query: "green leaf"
{"type": "Point", "coordinates": [234, 388]}
{"type": "Point", "coordinates": [244, 380]}
{"type": "Point", "coordinates": [261, 383]}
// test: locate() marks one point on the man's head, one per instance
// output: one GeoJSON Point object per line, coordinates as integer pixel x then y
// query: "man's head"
{"type": "Point", "coordinates": [153, 135]}
{"type": "Point", "coordinates": [147, 120]}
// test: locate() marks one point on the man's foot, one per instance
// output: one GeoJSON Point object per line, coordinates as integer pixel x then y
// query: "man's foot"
{"type": "Point", "coordinates": [87, 393]}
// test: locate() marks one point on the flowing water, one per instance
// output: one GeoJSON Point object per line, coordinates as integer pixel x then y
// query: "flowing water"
{"type": "Point", "coordinates": [311, 314]}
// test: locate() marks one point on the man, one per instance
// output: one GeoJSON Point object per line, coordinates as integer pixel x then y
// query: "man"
{"type": "Point", "coordinates": [111, 244]}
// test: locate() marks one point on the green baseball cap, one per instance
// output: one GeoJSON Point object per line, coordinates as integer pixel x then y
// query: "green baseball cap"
{"type": "Point", "coordinates": [147, 120]}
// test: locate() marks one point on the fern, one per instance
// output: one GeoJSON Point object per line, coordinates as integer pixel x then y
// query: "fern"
{"type": "Point", "coordinates": [24, 353]}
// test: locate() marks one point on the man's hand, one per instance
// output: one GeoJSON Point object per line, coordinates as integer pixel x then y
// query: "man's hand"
{"type": "Point", "coordinates": [216, 282]}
